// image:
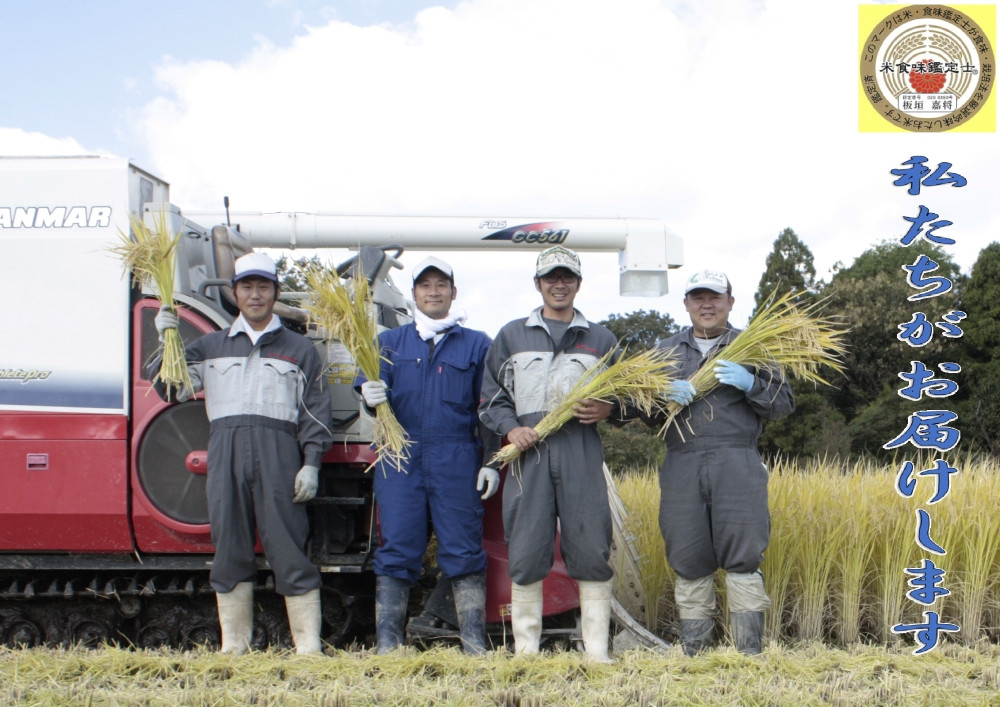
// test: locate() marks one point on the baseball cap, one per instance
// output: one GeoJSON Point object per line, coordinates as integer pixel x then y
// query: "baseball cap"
{"type": "Point", "coordinates": [557, 257]}
{"type": "Point", "coordinates": [713, 280]}
{"type": "Point", "coordinates": [432, 262]}
{"type": "Point", "coordinates": [255, 265]}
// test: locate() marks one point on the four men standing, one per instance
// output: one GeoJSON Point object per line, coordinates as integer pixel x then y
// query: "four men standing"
{"type": "Point", "coordinates": [268, 407]}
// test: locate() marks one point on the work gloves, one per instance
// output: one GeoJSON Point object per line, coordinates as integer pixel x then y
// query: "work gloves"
{"type": "Point", "coordinates": [490, 478]}
{"type": "Point", "coordinates": [374, 392]}
{"type": "Point", "coordinates": [306, 483]}
{"type": "Point", "coordinates": [733, 374]}
{"type": "Point", "coordinates": [680, 392]}
{"type": "Point", "coordinates": [165, 319]}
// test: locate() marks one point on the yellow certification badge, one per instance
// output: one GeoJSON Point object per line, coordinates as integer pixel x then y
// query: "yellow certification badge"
{"type": "Point", "coordinates": [926, 68]}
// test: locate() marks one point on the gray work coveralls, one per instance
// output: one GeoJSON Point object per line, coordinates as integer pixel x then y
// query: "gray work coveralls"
{"type": "Point", "coordinates": [270, 414]}
{"type": "Point", "coordinates": [527, 374]}
{"type": "Point", "coordinates": [713, 484]}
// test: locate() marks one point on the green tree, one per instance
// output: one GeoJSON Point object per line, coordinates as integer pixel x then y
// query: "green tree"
{"type": "Point", "coordinates": [292, 272]}
{"type": "Point", "coordinates": [789, 267]}
{"type": "Point", "coordinates": [815, 429]}
{"type": "Point", "coordinates": [870, 297]}
{"type": "Point", "coordinates": [640, 330]}
{"type": "Point", "coordinates": [978, 399]}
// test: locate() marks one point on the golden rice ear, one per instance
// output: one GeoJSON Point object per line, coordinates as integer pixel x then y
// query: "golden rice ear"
{"type": "Point", "coordinates": [636, 379]}
{"type": "Point", "coordinates": [345, 312]}
{"type": "Point", "coordinates": [149, 256]}
{"type": "Point", "coordinates": [785, 338]}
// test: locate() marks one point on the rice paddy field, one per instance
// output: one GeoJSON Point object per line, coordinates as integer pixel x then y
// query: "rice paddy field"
{"type": "Point", "coordinates": [842, 538]}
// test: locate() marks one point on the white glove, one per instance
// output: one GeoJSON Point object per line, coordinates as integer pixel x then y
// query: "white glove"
{"type": "Point", "coordinates": [306, 483]}
{"type": "Point", "coordinates": [490, 478]}
{"type": "Point", "coordinates": [374, 392]}
{"type": "Point", "coordinates": [165, 319]}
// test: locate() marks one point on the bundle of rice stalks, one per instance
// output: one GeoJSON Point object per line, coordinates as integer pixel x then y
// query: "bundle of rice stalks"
{"type": "Point", "coordinates": [638, 379]}
{"type": "Point", "coordinates": [150, 255]}
{"type": "Point", "coordinates": [346, 313]}
{"type": "Point", "coordinates": [785, 337]}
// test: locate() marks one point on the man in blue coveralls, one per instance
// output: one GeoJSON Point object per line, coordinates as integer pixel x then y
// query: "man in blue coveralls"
{"type": "Point", "coordinates": [431, 374]}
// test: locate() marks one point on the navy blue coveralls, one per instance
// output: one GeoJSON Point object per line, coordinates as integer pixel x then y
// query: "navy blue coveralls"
{"type": "Point", "coordinates": [434, 394]}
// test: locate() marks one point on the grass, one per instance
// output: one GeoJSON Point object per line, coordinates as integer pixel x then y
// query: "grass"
{"type": "Point", "coordinates": [805, 674]}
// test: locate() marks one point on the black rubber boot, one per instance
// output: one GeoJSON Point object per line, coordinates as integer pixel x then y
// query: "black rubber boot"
{"type": "Point", "coordinates": [697, 634]}
{"type": "Point", "coordinates": [748, 631]}
{"type": "Point", "coordinates": [470, 605]}
{"type": "Point", "coordinates": [391, 597]}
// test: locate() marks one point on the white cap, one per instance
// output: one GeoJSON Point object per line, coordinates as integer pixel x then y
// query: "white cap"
{"type": "Point", "coordinates": [255, 265]}
{"type": "Point", "coordinates": [713, 280]}
{"type": "Point", "coordinates": [432, 262]}
{"type": "Point", "coordinates": [557, 257]}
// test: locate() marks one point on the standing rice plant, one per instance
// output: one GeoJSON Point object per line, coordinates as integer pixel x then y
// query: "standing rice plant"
{"type": "Point", "coordinates": [785, 337]}
{"type": "Point", "coordinates": [781, 555]}
{"type": "Point", "coordinates": [894, 550]}
{"type": "Point", "coordinates": [150, 255]}
{"type": "Point", "coordinates": [852, 561]}
{"type": "Point", "coordinates": [640, 492]}
{"type": "Point", "coordinates": [348, 314]}
{"type": "Point", "coordinates": [638, 379]}
{"type": "Point", "coordinates": [973, 544]}
{"type": "Point", "coordinates": [824, 532]}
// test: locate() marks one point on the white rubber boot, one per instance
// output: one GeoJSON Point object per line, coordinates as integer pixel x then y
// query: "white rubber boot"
{"type": "Point", "coordinates": [595, 618]}
{"type": "Point", "coordinates": [304, 619]}
{"type": "Point", "coordinates": [236, 618]}
{"type": "Point", "coordinates": [526, 617]}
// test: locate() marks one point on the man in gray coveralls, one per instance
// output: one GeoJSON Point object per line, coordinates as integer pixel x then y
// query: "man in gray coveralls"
{"type": "Point", "coordinates": [531, 365]}
{"type": "Point", "coordinates": [713, 484]}
{"type": "Point", "coordinates": [266, 399]}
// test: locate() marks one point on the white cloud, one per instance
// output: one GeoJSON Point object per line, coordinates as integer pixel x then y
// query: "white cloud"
{"type": "Point", "coordinates": [728, 120]}
{"type": "Point", "coordinates": [15, 142]}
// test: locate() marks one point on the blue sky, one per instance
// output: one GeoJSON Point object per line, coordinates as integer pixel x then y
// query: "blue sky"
{"type": "Point", "coordinates": [83, 67]}
{"type": "Point", "coordinates": [728, 120]}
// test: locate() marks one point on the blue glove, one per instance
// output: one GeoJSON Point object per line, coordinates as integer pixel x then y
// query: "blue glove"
{"type": "Point", "coordinates": [680, 392]}
{"type": "Point", "coordinates": [733, 374]}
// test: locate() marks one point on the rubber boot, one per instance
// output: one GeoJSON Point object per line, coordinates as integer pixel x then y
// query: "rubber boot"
{"type": "Point", "coordinates": [236, 618]}
{"type": "Point", "coordinates": [305, 617]}
{"type": "Point", "coordinates": [748, 631]}
{"type": "Point", "coordinates": [697, 634]}
{"type": "Point", "coordinates": [470, 605]}
{"type": "Point", "coordinates": [595, 613]}
{"type": "Point", "coordinates": [526, 617]}
{"type": "Point", "coordinates": [391, 598]}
